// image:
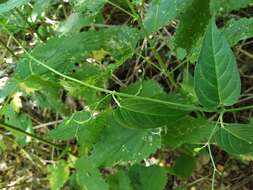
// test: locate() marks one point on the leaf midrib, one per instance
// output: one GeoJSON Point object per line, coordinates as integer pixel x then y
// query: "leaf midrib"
{"type": "Point", "coordinates": [215, 66]}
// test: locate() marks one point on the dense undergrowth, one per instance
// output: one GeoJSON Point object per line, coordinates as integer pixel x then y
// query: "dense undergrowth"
{"type": "Point", "coordinates": [126, 95]}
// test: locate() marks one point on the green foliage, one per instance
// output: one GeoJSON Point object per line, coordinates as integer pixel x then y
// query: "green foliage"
{"type": "Point", "coordinates": [88, 176]}
{"type": "Point", "coordinates": [20, 121]}
{"type": "Point", "coordinates": [58, 174]}
{"type": "Point", "coordinates": [235, 138]}
{"type": "Point", "coordinates": [71, 126]}
{"type": "Point", "coordinates": [11, 4]}
{"type": "Point", "coordinates": [184, 166]}
{"type": "Point", "coordinates": [228, 5]}
{"type": "Point", "coordinates": [120, 181]}
{"type": "Point", "coordinates": [161, 12]}
{"type": "Point", "coordinates": [217, 80]}
{"type": "Point", "coordinates": [156, 176]}
{"type": "Point", "coordinates": [122, 145]}
{"type": "Point", "coordinates": [56, 54]}
{"type": "Point", "coordinates": [237, 30]}
{"type": "Point", "coordinates": [190, 30]}
{"type": "Point", "coordinates": [187, 130]}
{"type": "Point", "coordinates": [123, 101]}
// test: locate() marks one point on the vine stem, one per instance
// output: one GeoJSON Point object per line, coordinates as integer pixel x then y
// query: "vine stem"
{"type": "Point", "coordinates": [239, 109]}
{"type": "Point", "coordinates": [8, 49]}
{"type": "Point", "coordinates": [7, 126]}
{"type": "Point", "coordinates": [208, 143]}
{"type": "Point", "coordinates": [120, 94]}
{"type": "Point", "coordinates": [120, 8]}
{"type": "Point", "coordinates": [175, 105]}
{"type": "Point", "coordinates": [214, 166]}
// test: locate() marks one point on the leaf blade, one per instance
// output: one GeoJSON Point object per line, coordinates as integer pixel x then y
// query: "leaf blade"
{"type": "Point", "coordinates": [217, 79]}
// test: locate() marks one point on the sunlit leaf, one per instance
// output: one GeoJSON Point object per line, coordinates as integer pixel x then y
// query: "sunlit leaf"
{"type": "Point", "coordinates": [58, 174]}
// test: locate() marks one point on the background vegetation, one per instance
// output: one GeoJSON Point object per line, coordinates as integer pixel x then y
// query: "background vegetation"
{"type": "Point", "coordinates": [126, 95]}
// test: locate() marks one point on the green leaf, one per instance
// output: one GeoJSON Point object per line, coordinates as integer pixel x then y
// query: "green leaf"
{"type": "Point", "coordinates": [88, 5]}
{"type": "Point", "coordinates": [147, 88]}
{"type": "Point", "coordinates": [58, 174]}
{"type": "Point", "coordinates": [237, 30]}
{"type": "Point", "coordinates": [11, 4]}
{"type": "Point", "coordinates": [184, 166]}
{"type": "Point", "coordinates": [193, 22]}
{"type": "Point", "coordinates": [92, 75]}
{"type": "Point", "coordinates": [20, 121]}
{"type": "Point", "coordinates": [62, 53]}
{"type": "Point", "coordinates": [74, 23]}
{"type": "Point", "coordinates": [161, 12]}
{"type": "Point", "coordinates": [40, 6]}
{"type": "Point", "coordinates": [88, 176]}
{"type": "Point", "coordinates": [143, 114]}
{"type": "Point", "coordinates": [228, 5]}
{"type": "Point", "coordinates": [217, 79]}
{"type": "Point", "coordinates": [82, 126]}
{"type": "Point", "coordinates": [235, 138]}
{"type": "Point", "coordinates": [119, 181]}
{"type": "Point", "coordinates": [124, 145]}
{"type": "Point", "coordinates": [71, 126]}
{"type": "Point", "coordinates": [148, 178]}
{"type": "Point", "coordinates": [46, 93]}
{"type": "Point", "coordinates": [233, 31]}
{"type": "Point", "coordinates": [187, 130]}
{"type": "Point", "coordinates": [8, 89]}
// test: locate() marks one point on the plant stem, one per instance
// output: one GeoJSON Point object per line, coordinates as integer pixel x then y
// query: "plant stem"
{"type": "Point", "coordinates": [173, 104]}
{"type": "Point", "coordinates": [120, 8]}
{"type": "Point", "coordinates": [8, 49]}
{"type": "Point", "coordinates": [239, 109]}
{"type": "Point", "coordinates": [214, 167]}
{"type": "Point", "coordinates": [9, 127]}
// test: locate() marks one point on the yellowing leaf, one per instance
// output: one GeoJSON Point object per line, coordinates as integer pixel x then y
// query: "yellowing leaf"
{"type": "Point", "coordinates": [58, 174]}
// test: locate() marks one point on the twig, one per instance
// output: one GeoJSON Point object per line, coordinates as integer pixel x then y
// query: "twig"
{"type": "Point", "coordinates": [7, 126]}
{"type": "Point", "coordinates": [8, 49]}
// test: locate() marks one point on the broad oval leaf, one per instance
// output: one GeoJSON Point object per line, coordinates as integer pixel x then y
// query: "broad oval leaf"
{"type": "Point", "coordinates": [235, 138]}
{"type": "Point", "coordinates": [144, 114]}
{"type": "Point", "coordinates": [120, 144]}
{"type": "Point", "coordinates": [217, 79]}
